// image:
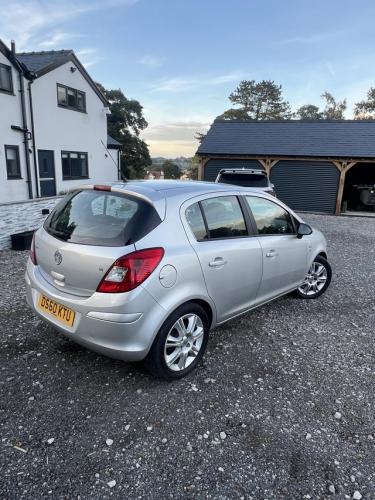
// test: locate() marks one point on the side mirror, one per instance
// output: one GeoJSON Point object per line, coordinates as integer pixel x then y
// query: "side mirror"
{"type": "Point", "coordinates": [303, 230]}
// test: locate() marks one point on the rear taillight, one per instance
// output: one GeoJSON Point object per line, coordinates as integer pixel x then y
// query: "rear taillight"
{"type": "Point", "coordinates": [131, 270]}
{"type": "Point", "coordinates": [33, 252]}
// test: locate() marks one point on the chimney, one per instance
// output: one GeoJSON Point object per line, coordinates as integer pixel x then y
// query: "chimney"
{"type": "Point", "coordinates": [13, 47]}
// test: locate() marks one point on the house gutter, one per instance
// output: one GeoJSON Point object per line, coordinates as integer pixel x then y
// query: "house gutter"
{"type": "Point", "coordinates": [24, 129]}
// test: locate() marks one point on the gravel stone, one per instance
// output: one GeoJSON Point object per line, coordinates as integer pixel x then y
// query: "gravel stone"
{"type": "Point", "coordinates": [309, 349]}
{"type": "Point", "coordinates": [357, 495]}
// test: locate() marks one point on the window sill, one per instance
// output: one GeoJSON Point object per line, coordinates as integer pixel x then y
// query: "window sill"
{"type": "Point", "coordinates": [74, 178]}
{"type": "Point", "coordinates": [9, 92]}
{"type": "Point", "coordinates": [70, 108]}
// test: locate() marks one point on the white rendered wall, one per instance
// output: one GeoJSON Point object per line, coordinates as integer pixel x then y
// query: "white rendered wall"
{"type": "Point", "coordinates": [10, 114]}
{"type": "Point", "coordinates": [60, 129]}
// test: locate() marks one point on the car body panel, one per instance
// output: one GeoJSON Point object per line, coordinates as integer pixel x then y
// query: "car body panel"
{"type": "Point", "coordinates": [124, 325]}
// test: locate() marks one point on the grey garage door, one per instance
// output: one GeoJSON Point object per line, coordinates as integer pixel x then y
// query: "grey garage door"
{"type": "Point", "coordinates": [308, 186]}
{"type": "Point", "coordinates": [213, 167]}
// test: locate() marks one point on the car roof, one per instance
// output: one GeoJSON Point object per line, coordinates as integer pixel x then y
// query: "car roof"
{"type": "Point", "coordinates": [155, 189]}
{"type": "Point", "coordinates": [157, 192]}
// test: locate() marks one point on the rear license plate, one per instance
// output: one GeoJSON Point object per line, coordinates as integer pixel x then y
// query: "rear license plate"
{"type": "Point", "coordinates": [62, 313]}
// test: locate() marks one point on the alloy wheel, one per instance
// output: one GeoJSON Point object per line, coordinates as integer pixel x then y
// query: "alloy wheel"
{"type": "Point", "coordinates": [315, 280]}
{"type": "Point", "coordinates": [184, 342]}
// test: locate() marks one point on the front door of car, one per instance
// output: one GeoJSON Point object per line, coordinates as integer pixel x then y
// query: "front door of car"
{"type": "Point", "coordinates": [284, 255]}
{"type": "Point", "coordinates": [230, 259]}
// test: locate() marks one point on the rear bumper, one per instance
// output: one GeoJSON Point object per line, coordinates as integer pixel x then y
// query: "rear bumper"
{"type": "Point", "coordinates": [122, 327]}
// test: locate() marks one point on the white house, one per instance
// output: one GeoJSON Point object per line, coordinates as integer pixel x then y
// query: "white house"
{"type": "Point", "coordinates": [53, 126]}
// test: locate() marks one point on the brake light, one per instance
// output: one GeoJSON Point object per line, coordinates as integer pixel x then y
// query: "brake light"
{"type": "Point", "coordinates": [102, 187]}
{"type": "Point", "coordinates": [33, 252]}
{"type": "Point", "coordinates": [131, 270]}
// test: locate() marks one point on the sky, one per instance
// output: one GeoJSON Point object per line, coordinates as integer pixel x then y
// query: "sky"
{"type": "Point", "coordinates": [182, 58]}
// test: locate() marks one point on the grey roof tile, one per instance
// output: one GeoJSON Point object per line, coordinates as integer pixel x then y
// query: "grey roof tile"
{"type": "Point", "coordinates": [349, 138]}
{"type": "Point", "coordinates": [111, 142]}
{"type": "Point", "coordinates": [37, 61]}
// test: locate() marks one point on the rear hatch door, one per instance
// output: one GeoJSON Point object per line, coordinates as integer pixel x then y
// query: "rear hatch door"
{"type": "Point", "coordinates": [84, 235]}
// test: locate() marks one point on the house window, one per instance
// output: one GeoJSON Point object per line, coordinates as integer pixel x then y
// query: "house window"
{"type": "Point", "coordinates": [71, 98]}
{"type": "Point", "coordinates": [74, 165]}
{"type": "Point", "coordinates": [12, 158]}
{"type": "Point", "coordinates": [6, 83]}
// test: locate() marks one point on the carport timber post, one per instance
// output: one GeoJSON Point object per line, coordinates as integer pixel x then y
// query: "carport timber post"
{"type": "Point", "coordinates": [343, 167]}
{"type": "Point", "coordinates": [268, 163]}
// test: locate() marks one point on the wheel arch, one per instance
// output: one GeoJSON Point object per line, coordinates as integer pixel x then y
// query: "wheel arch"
{"type": "Point", "coordinates": [206, 306]}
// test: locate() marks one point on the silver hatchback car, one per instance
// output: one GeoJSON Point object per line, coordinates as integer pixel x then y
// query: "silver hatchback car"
{"type": "Point", "coordinates": [142, 270]}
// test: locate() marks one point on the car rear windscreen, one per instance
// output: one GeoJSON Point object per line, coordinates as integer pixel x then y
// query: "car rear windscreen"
{"type": "Point", "coordinates": [101, 218]}
{"type": "Point", "coordinates": [247, 180]}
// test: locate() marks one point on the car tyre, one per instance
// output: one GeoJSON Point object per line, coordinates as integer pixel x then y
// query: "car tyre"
{"type": "Point", "coordinates": [317, 280]}
{"type": "Point", "coordinates": [180, 343]}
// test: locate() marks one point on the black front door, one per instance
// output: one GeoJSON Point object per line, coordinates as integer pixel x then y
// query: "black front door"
{"type": "Point", "coordinates": [46, 173]}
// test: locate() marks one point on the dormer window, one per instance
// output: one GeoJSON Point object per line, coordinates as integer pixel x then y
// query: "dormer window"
{"type": "Point", "coordinates": [70, 98]}
{"type": "Point", "coordinates": [6, 83]}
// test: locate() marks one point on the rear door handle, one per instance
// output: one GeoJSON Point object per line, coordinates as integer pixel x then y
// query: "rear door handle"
{"type": "Point", "coordinates": [218, 262]}
{"type": "Point", "coordinates": [271, 253]}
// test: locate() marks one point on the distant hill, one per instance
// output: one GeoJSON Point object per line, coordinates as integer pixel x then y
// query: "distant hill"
{"type": "Point", "coordinates": [182, 162]}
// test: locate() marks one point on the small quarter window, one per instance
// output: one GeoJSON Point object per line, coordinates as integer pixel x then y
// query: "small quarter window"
{"type": "Point", "coordinates": [269, 217]}
{"type": "Point", "coordinates": [224, 217]}
{"type": "Point", "coordinates": [195, 220]}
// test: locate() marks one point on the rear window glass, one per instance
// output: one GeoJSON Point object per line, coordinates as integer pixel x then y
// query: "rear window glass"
{"type": "Point", "coordinates": [101, 218]}
{"type": "Point", "coordinates": [247, 180]}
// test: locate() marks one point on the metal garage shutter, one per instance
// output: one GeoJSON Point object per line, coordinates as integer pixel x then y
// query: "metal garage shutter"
{"type": "Point", "coordinates": [308, 186]}
{"type": "Point", "coordinates": [213, 167]}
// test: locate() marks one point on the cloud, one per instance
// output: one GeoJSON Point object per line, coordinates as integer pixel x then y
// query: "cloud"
{"type": "Point", "coordinates": [34, 24]}
{"type": "Point", "coordinates": [151, 62]}
{"type": "Point", "coordinates": [57, 39]}
{"type": "Point", "coordinates": [313, 38]}
{"type": "Point", "coordinates": [88, 56]}
{"type": "Point", "coordinates": [174, 138]}
{"type": "Point", "coordinates": [181, 84]}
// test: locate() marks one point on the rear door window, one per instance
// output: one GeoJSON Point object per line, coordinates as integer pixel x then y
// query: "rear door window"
{"type": "Point", "coordinates": [101, 218]}
{"type": "Point", "coordinates": [224, 217]}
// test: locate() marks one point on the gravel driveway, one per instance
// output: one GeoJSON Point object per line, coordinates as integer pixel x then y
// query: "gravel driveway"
{"type": "Point", "coordinates": [281, 408]}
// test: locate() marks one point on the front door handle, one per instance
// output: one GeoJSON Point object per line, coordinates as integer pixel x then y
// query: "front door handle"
{"type": "Point", "coordinates": [218, 262]}
{"type": "Point", "coordinates": [271, 253]}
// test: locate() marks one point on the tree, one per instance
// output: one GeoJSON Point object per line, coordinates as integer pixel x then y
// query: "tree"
{"type": "Point", "coordinates": [199, 136]}
{"type": "Point", "coordinates": [234, 114]}
{"type": "Point", "coordinates": [308, 112]}
{"type": "Point", "coordinates": [125, 123]}
{"type": "Point", "coordinates": [170, 169]}
{"type": "Point", "coordinates": [258, 101]}
{"type": "Point", "coordinates": [365, 110]}
{"type": "Point", "coordinates": [334, 110]}
{"type": "Point", "coordinates": [193, 170]}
